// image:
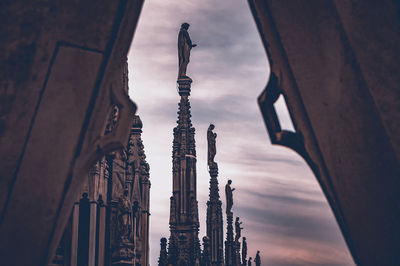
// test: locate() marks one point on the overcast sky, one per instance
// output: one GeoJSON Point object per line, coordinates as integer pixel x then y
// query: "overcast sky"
{"type": "Point", "coordinates": [284, 213]}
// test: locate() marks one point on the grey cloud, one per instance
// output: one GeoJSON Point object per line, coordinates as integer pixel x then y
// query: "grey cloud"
{"type": "Point", "coordinates": [218, 111]}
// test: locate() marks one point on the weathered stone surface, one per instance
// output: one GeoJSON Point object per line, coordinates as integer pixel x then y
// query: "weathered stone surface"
{"type": "Point", "coordinates": [337, 64]}
{"type": "Point", "coordinates": [58, 61]}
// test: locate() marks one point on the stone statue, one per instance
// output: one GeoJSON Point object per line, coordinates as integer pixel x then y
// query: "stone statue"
{"type": "Point", "coordinates": [229, 196]}
{"type": "Point", "coordinates": [257, 259]}
{"type": "Point", "coordinates": [125, 217]}
{"type": "Point", "coordinates": [249, 262]}
{"type": "Point", "coordinates": [238, 229]}
{"type": "Point", "coordinates": [244, 250]}
{"type": "Point", "coordinates": [212, 150]}
{"type": "Point", "coordinates": [184, 47]}
{"type": "Point", "coordinates": [112, 120]}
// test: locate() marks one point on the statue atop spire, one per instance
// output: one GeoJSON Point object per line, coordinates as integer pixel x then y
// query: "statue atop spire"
{"type": "Point", "coordinates": [184, 243]}
{"type": "Point", "coordinates": [214, 205]}
{"type": "Point", "coordinates": [212, 150]}
{"type": "Point", "coordinates": [184, 47]}
{"type": "Point", "coordinates": [238, 229]}
{"type": "Point", "coordinates": [229, 196]}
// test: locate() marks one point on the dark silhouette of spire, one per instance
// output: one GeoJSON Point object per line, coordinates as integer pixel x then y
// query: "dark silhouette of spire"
{"type": "Point", "coordinates": [230, 247]}
{"type": "Point", "coordinates": [257, 259]}
{"type": "Point", "coordinates": [163, 260]}
{"type": "Point", "coordinates": [184, 244]}
{"type": "Point", "coordinates": [214, 205]}
{"type": "Point", "coordinates": [244, 251]}
{"type": "Point", "coordinates": [206, 258]}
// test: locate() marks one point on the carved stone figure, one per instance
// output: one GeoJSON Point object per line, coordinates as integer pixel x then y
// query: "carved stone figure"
{"type": "Point", "coordinates": [112, 120]}
{"type": "Point", "coordinates": [229, 196]}
{"type": "Point", "coordinates": [125, 217]}
{"type": "Point", "coordinates": [238, 229]}
{"type": "Point", "coordinates": [184, 47]}
{"type": "Point", "coordinates": [212, 150]}
{"type": "Point", "coordinates": [257, 259]}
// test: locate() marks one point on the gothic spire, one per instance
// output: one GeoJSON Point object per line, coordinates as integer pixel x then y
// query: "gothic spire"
{"type": "Point", "coordinates": [162, 261]}
{"type": "Point", "coordinates": [214, 204]}
{"type": "Point", "coordinates": [184, 244]}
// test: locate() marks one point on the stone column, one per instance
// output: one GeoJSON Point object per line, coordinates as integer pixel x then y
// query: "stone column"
{"type": "Point", "coordinates": [102, 232]}
{"type": "Point", "coordinates": [237, 253]}
{"type": "Point", "coordinates": [92, 233]}
{"type": "Point", "coordinates": [214, 219]}
{"type": "Point", "coordinates": [74, 239]}
{"type": "Point", "coordinates": [230, 258]}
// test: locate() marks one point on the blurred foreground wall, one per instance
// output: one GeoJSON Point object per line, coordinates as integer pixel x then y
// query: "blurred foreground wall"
{"type": "Point", "coordinates": [337, 65]}
{"type": "Point", "coordinates": [57, 69]}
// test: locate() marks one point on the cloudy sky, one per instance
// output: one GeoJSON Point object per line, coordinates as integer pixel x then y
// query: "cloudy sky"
{"type": "Point", "coordinates": [283, 210]}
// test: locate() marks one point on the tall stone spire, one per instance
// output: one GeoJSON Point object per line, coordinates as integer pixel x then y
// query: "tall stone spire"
{"type": "Point", "coordinates": [162, 261]}
{"type": "Point", "coordinates": [230, 247]}
{"type": "Point", "coordinates": [184, 244]}
{"type": "Point", "coordinates": [214, 205]}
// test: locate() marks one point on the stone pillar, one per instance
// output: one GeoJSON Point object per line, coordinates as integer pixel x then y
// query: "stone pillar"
{"type": "Point", "coordinates": [83, 230]}
{"type": "Point", "coordinates": [163, 260]}
{"type": "Point", "coordinates": [74, 240]}
{"type": "Point", "coordinates": [230, 257]}
{"type": "Point", "coordinates": [237, 253]}
{"type": "Point", "coordinates": [244, 251]}
{"type": "Point", "coordinates": [102, 232]}
{"type": "Point", "coordinates": [214, 218]}
{"type": "Point", "coordinates": [92, 233]}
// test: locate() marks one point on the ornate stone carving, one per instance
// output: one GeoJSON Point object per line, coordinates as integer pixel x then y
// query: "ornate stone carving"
{"type": "Point", "coordinates": [238, 229]}
{"type": "Point", "coordinates": [125, 218]}
{"type": "Point", "coordinates": [205, 258]}
{"type": "Point", "coordinates": [172, 215]}
{"type": "Point", "coordinates": [229, 196]}
{"type": "Point", "coordinates": [214, 205]}
{"type": "Point", "coordinates": [184, 244]}
{"type": "Point", "coordinates": [212, 150]}
{"type": "Point", "coordinates": [184, 47]}
{"type": "Point", "coordinates": [230, 254]}
{"type": "Point", "coordinates": [112, 120]}
{"type": "Point", "coordinates": [194, 210]}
